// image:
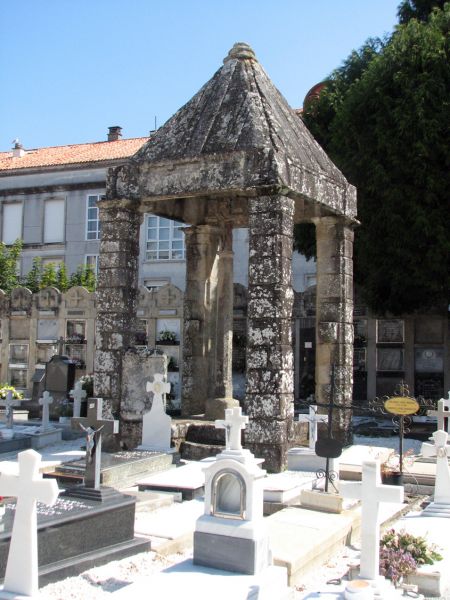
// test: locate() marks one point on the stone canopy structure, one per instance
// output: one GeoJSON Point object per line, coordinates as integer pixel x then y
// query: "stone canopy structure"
{"type": "Point", "coordinates": [236, 155]}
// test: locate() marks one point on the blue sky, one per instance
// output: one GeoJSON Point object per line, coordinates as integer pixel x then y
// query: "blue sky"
{"type": "Point", "coordinates": [71, 68]}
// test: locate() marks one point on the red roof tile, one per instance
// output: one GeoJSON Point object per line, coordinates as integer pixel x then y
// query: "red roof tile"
{"type": "Point", "coordinates": [71, 155]}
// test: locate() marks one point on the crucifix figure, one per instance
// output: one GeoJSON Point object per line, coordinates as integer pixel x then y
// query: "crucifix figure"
{"type": "Point", "coordinates": [94, 425]}
{"type": "Point", "coordinates": [78, 394]}
{"type": "Point", "coordinates": [45, 402]}
{"type": "Point", "coordinates": [441, 450]}
{"type": "Point", "coordinates": [9, 402]}
{"type": "Point", "coordinates": [371, 492]}
{"type": "Point", "coordinates": [27, 486]}
{"type": "Point", "coordinates": [313, 419]}
{"type": "Point", "coordinates": [442, 413]}
{"type": "Point", "coordinates": [233, 423]}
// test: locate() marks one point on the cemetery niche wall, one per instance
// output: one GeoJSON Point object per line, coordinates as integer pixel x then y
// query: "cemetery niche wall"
{"type": "Point", "coordinates": [236, 155]}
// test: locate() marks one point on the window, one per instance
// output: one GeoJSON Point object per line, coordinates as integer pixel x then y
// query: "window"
{"type": "Point", "coordinates": [91, 260]}
{"type": "Point", "coordinates": [92, 218]}
{"type": "Point", "coordinates": [165, 239]}
{"type": "Point", "coordinates": [54, 221]}
{"type": "Point", "coordinates": [12, 222]}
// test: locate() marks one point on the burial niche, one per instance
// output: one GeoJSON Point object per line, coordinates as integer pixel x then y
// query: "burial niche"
{"type": "Point", "coordinates": [228, 495]}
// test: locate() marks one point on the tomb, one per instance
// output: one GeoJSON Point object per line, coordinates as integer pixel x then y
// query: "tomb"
{"type": "Point", "coordinates": [306, 459]}
{"type": "Point", "coordinates": [440, 507]}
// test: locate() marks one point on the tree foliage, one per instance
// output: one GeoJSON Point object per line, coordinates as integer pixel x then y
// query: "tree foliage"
{"type": "Point", "coordinates": [9, 258]}
{"type": "Point", "coordinates": [384, 120]}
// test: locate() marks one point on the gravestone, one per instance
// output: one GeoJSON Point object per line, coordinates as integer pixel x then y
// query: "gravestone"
{"type": "Point", "coordinates": [27, 485]}
{"type": "Point", "coordinates": [9, 402]}
{"type": "Point", "coordinates": [94, 426]}
{"type": "Point", "coordinates": [441, 502]}
{"type": "Point", "coordinates": [156, 424]}
{"type": "Point", "coordinates": [59, 379]}
{"type": "Point", "coordinates": [78, 395]}
{"type": "Point", "coordinates": [231, 534]}
{"type": "Point", "coordinates": [45, 402]}
{"type": "Point", "coordinates": [313, 418]}
{"type": "Point", "coordinates": [442, 413]}
{"type": "Point", "coordinates": [371, 492]}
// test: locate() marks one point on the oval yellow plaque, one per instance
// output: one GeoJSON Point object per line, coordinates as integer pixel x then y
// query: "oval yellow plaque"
{"type": "Point", "coordinates": [401, 405]}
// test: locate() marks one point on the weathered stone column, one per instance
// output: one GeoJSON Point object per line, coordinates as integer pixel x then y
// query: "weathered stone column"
{"type": "Point", "coordinates": [116, 296]}
{"type": "Point", "coordinates": [222, 315]}
{"type": "Point", "coordinates": [269, 394]}
{"type": "Point", "coordinates": [334, 320]}
{"type": "Point", "coordinates": [198, 383]}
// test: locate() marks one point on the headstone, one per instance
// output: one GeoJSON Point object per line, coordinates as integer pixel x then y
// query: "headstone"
{"type": "Point", "coordinates": [371, 492]}
{"type": "Point", "coordinates": [94, 426]}
{"type": "Point", "coordinates": [45, 402]}
{"type": "Point", "coordinates": [233, 423]}
{"type": "Point", "coordinates": [313, 418]}
{"type": "Point", "coordinates": [78, 394]}
{"type": "Point", "coordinates": [59, 375]}
{"type": "Point", "coordinates": [9, 403]}
{"type": "Point", "coordinates": [28, 486]}
{"type": "Point", "coordinates": [231, 534]}
{"type": "Point", "coordinates": [441, 501]}
{"type": "Point", "coordinates": [442, 413]}
{"type": "Point", "coordinates": [156, 424]}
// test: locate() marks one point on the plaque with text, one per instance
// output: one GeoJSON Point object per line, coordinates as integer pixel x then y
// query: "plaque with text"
{"type": "Point", "coordinates": [390, 331]}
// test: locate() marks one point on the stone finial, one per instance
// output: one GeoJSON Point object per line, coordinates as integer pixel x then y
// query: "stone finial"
{"type": "Point", "coordinates": [240, 50]}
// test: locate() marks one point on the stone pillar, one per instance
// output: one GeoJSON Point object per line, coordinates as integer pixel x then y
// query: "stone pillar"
{"type": "Point", "coordinates": [269, 400]}
{"type": "Point", "coordinates": [116, 297]}
{"type": "Point", "coordinates": [198, 382]}
{"type": "Point", "coordinates": [334, 318]}
{"type": "Point", "coordinates": [222, 330]}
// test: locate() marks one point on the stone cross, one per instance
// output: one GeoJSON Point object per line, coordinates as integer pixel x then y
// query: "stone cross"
{"type": "Point", "coordinates": [371, 492]}
{"type": "Point", "coordinates": [45, 402]}
{"type": "Point", "coordinates": [78, 394]}
{"type": "Point", "coordinates": [8, 403]}
{"type": "Point", "coordinates": [442, 413]}
{"type": "Point", "coordinates": [233, 423]}
{"type": "Point", "coordinates": [313, 419]}
{"type": "Point", "coordinates": [159, 387]}
{"type": "Point", "coordinates": [442, 452]}
{"type": "Point", "coordinates": [27, 486]}
{"type": "Point", "coordinates": [94, 425]}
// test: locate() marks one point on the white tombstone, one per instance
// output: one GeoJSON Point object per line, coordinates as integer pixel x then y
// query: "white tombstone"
{"type": "Point", "coordinates": [440, 449]}
{"type": "Point", "coordinates": [9, 402]}
{"type": "Point", "coordinates": [27, 486]}
{"type": "Point", "coordinates": [233, 423]}
{"type": "Point", "coordinates": [313, 419]}
{"type": "Point", "coordinates": [45, 402]}
{"type": "Point", "coordinates": [232, 534]}
{"type": "Point", "coordinates": [78, 394]}
{"type": "Point", "coordinates": [441, 413]}
{"type": "Point", "coordinates": [156, 424]}
{"type": "Point", "coordinates": [371, 492]}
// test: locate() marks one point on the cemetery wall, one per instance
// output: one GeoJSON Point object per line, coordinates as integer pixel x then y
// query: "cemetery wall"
{"type": "Point", "coordinates": [414, 348]}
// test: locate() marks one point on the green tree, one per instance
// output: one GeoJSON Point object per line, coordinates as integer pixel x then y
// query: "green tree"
{"type": "Point", "coordinates": [33, 278]}
{"type": "Point", "coordinates": [417, 9]}
{"type": "Point", "coordinates": [9, 258]}
{"type": "Point", "coordinates": [389, 135]}
{"type": "Point", "coordinates": [84, 276]}
{"type": "Point", "coordinates": [62, 279]}
{"type": "Point", "coordinates": [49, 276]}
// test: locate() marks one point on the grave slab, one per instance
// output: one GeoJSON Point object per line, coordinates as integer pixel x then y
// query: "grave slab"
{"type": "Point", "coordinates": [119, 469]}
{"type": "Point", "coordinates": [74, 535]}
{"type": "Point", "coordinates": [286, 486]}
{"type": "Point", "coordinates": [39, 438]}
{"type": "Point", "coordinates": [20, 441]}
{"type": "Point", "coordinates": [192, 582]}
{"type": "Point", "coordinates": [188, 479]}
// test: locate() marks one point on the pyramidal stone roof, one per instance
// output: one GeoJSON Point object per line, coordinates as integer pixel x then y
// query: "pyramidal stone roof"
{"type": "Point", "coordinates": [237, 134]}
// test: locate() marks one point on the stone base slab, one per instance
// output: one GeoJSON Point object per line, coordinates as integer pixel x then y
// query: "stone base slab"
{"type": "Point", "coordinates": [192, 582]}
{"type": "Point", "coordinates": [322, 501]}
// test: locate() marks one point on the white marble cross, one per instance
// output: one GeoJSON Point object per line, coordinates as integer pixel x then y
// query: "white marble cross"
{"type": "Point", "coordinates": [313, 419]}
{"type": "Point", "coordinates": [27, 486]}
{"type": "Point", "coordinates": [78, 394]}
{"type": "Point", "coordinates": [159, 387]}
{"type": "Point", "coordinates": [371, 492]}
{"type": "Point", "coordinates": [442, 452]}
{"type": "Point", "coordinates": [442, 413]}
{"type": "Point", "coordinates": [8, 403]}
{"type": "Point", "coordinates": [233, 423]}
{"type": "Point", "coordinates": [45, 402]}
